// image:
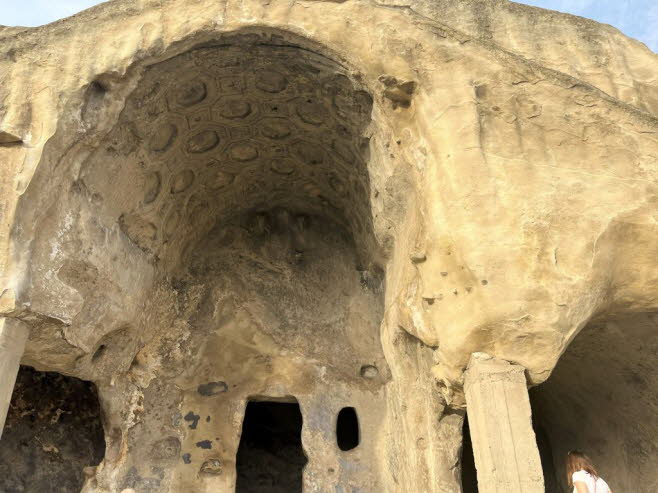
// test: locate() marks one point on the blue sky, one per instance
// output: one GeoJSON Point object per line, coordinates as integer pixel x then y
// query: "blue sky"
{"type": "Point", "coordinates": [636, 18]}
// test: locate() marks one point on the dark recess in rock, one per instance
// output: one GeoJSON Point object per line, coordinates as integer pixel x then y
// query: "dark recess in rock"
{"type": "Point", "coordinates": [212, 388]}
{"type": "Point", "coordinates": [53, 432]}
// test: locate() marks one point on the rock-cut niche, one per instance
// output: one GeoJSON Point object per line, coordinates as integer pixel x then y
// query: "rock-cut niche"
{"type": "Point", "coordinates": [247, 166]}
{"type": "Point", "coordinates": [237, 176]}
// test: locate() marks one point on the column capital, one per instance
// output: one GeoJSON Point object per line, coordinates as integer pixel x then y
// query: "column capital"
{"type": "Point", "coordinates": [482, 365]}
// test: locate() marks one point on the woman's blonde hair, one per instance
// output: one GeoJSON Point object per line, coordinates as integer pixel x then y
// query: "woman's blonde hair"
{"type": "Point", "coordinates": [577, 461]}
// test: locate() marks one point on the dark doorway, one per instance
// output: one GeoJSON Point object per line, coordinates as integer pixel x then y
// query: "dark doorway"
{"type": "Point", "coordinates": [270, 458]}
{"type": "Point", "coordinates": [53, 431]}
{"type": "Point", "coordinates": [469, 474]}
{"type": "Point", "coordinates": [347, 429]}
{"type": "Point", "coordinates": [551, 478]}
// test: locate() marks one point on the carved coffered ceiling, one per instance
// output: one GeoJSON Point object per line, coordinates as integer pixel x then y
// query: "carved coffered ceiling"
{"type": "Point", "coordinates": [220, 131]}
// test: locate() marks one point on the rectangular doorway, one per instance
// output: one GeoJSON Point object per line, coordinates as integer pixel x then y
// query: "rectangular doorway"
{"type": "Point", "coordinates": [270, 457]}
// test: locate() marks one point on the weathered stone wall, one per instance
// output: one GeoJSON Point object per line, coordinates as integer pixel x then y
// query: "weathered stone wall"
{"type": "Point", "coordinates": [593, 53]}
{"type": "Point", "coordinates": [290, 194]}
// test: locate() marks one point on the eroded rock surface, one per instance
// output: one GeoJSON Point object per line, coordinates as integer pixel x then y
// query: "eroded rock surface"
{"type": "Point", "coordinates": [332, 204]}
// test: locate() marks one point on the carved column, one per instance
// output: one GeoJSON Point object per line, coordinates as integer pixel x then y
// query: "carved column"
{"type": "Point", "coordinates": [499, 416]}
{"type": "Point", "coordinates": [13, 334]}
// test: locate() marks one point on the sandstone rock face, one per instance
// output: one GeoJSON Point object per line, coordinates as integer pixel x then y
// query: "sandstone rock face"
{"type": "Point", "coordinates": [327, 205]}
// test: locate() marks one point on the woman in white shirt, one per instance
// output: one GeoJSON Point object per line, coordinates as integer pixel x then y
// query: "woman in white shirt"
{"type": "Point", "coordinates": [582, 475]}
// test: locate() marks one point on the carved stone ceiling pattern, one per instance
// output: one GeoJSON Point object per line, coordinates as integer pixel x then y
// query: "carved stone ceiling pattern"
{"type": "Point", "coordinates": [220, 131]}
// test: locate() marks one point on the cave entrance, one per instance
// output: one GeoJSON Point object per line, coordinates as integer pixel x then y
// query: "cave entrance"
{"type": "Point", "coordinates": [601, 398]}
{"type": "Point", "coordinates": [53, 431]}
{"type": "Point", "coordinates": [270, 458]}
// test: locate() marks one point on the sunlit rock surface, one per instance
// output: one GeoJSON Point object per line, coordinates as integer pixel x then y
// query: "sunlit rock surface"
{"type": "Point", "coordinates": [330, 205]}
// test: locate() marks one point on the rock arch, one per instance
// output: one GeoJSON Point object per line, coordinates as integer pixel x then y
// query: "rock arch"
{"type": "Point", "coordinates": [216, 241]}
{"type": "Point", "coordinates": [601, 399]}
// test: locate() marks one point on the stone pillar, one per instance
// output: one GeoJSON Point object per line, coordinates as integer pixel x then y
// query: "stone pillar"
{"type": "Point", "coordinates": [13, 334]}
{"type": "Point", "coordinates": [499, 417]}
